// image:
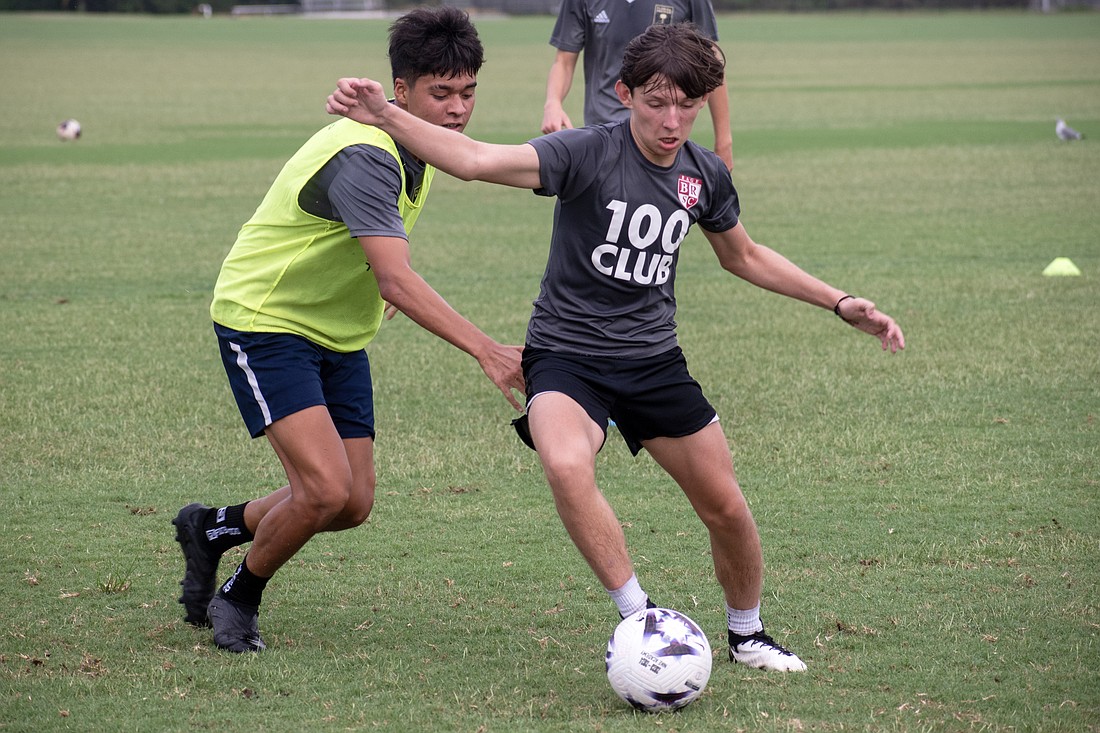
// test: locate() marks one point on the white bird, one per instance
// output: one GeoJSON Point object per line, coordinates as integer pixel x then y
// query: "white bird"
{"type": "Point", "coordinates": [1065, 132]}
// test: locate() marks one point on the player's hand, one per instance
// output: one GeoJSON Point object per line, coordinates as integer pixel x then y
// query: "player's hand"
{"type": "Point", "coordinates": [391, 311]}
{"type": "Point", "coordinates": [362, 100]}
{"type": "Point", "coordinates": [861, 314]}
{"type": "Point", "coordinates": [502, 365]}
{"type": "Point", "coordinates": [554, 119]}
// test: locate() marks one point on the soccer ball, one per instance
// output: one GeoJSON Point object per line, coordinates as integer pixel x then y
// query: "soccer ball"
{"type": "Point", "coordinates": [68, 130]}
{"type": "Point", "coordinates": [658, 659]}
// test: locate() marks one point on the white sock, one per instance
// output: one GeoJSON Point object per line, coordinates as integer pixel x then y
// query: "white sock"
{"type": "Point", "coordinates": [744, 623]}
{"type": "Point", "coordinates": [630, 598]}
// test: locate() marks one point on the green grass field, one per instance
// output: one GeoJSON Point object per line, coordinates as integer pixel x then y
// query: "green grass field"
{"type": "Point", "coordinates": [930, 520]}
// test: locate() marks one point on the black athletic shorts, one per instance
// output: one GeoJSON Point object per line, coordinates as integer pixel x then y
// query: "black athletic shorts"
{"type": "Point", "coordinates": [644, 398]}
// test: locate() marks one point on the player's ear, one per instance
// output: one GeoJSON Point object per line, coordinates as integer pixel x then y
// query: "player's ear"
{"type": "Point", "coordinates": [624, 94]}
{"type": "Point", "coordinates": [401, 93]}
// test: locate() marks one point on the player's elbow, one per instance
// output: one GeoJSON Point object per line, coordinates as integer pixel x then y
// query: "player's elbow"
{"type": "Point", "coordinates": [393, 289]}
{"type": "Point", "coordinates": [732, 264]}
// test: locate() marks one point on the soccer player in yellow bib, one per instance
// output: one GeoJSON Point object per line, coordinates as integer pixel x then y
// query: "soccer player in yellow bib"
{"type": "Point", "coordinates": [301, 293]}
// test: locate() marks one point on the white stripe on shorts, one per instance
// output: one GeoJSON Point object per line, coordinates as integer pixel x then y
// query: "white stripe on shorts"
{"type": "Point", "coordinates": [242, 362]}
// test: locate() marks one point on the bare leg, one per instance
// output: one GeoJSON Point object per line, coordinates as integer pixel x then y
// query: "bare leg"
{"type": "Point", "coordinates": [702, 466]}
{"type": "Point", "coordinates": [360, 452]}
{"type": "Point", "coordinates": [331, 487]}
{"type": "Point", "coordinates": [567, 442]}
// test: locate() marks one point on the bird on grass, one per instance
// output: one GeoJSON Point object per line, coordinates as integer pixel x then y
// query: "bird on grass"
{"type": "Point", "coordinates": [1065, 132]}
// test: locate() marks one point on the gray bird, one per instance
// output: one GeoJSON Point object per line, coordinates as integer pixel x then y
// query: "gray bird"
{"type": "Point", "coordinates": [1065, 132]}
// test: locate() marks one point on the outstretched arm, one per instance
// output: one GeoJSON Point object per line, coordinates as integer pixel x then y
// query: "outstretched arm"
{"type": "Point", "coordinates": [403, 288]}
{"type": "Point", "coordinates": [768, 269]}
{"type": "Point", "coordinates": [364, 101]}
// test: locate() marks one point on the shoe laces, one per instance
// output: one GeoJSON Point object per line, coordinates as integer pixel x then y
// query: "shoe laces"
{"type": "Point", "coordinates": [761, 638]}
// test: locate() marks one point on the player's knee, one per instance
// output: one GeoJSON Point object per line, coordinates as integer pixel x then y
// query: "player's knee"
{"type": "Point", "coordinates": [360, 501]}
{"type": "Point", "coordinates": [327, 507]}
{"type": "Point", "coordinates": [325, 498]}
{"type": "Point", "coordinates": [732, 515]}
{"type": "Point", "coordinates": [357, 510]}
{"type": "Point", "coordinates": [566, 465]}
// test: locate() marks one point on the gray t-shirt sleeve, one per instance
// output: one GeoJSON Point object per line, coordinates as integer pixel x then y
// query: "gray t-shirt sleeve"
{"type": "Point", "coordinates": [569, 161]}
{"type": "Point", "coordinates": [360, 187]}
{"type": "Point", "coordinates": [569, 28]}
{"type": "Point", "coordinates": [725, 211]}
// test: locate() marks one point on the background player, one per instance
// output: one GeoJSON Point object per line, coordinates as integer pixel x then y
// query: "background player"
{"type": "Point", "coordinates": [601, 29]}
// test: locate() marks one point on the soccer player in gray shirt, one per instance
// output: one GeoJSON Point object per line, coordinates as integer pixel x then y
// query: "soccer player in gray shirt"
{"type": "Point", "coordinates": [601, 29]}
{"type": "Point", "coordinates": [601, 343]}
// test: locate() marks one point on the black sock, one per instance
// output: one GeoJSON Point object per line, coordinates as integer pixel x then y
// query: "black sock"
{"type": "Point", "coordinates": [225, 528]}
{"type": "Point", "coordinates": [244, 586]}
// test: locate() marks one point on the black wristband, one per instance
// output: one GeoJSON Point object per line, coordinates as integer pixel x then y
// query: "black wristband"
{"type": "Point", "coordinates": [836, 308]}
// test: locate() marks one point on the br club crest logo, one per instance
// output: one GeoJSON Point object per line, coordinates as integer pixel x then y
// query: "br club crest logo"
{"type": "Point", "coordinates": [688, 190]}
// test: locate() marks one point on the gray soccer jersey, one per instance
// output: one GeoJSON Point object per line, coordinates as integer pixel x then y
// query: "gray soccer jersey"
{"type": "Point", "coordinates": [619, 222]}
{"type": "Point", "coordinates": [602, 28]}
{"type": "Point", "coordinates": [360, 187]}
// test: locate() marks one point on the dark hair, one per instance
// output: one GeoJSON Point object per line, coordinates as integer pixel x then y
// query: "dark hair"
{"type": "Point", "coordinates": [434, 40]}
{"type": "Point", "coordinates": [677, 55]}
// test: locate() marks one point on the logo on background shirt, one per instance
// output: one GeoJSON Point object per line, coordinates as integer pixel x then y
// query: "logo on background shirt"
{"type": "Point", "coordinates": [688, 190]}
{"type": "Point", "coordinates": [601, 18]}
{"type": "Point", "coordinates": [662, 14]}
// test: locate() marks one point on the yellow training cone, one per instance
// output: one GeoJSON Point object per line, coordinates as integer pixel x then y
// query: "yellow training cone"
{"type": "Point", "coordinates": [1061, 266]}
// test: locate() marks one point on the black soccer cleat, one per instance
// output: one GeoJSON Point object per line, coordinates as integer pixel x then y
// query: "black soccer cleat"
{"type": "Point", "coordinates": [201, 575]}
{"type": "Point", "coordinates": [236, 625]}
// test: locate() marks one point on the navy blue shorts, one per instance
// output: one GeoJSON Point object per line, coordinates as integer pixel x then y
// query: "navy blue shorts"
{"type": "Point", "coordinates": [277, 374]}
{"type": "Point", "coordinates": [646, 398]}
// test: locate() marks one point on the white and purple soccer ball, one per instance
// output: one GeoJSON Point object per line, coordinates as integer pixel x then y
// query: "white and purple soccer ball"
{"type": "Point", "coordinates": [69, 130]}
{"type": "Point", "coordinates": [658, 659]}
